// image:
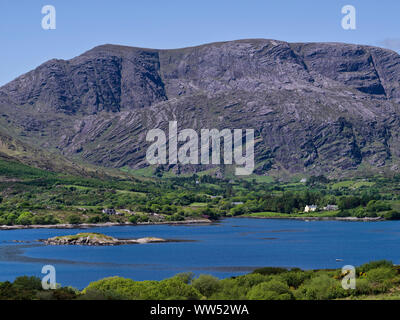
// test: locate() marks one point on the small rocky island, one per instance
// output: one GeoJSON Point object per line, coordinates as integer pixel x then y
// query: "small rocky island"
{"type": "Point", "coordinates": [96, 239]}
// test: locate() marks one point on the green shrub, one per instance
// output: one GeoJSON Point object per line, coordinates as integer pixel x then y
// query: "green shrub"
{"type": "Point", "coordinates": [95, 294]}
{"type": "Point", "coordinates": [271, 290]}
{"type": "Point", "coordinates": [250, 280]}
{"type": "Point", "coordinates": [295, 278]}
{"type": "Point", "coordinates": [44, 220]}
{"type": "Point", "coordinates": [99, 218]}
{"type": "Point", "coordinates": [175, 217]}
{"type": "Point", "coordinates": [321, 287]}
{"type": "Point", "coordinates": [65, 293]}
{"type": "Point", "coordinates": [363, 287]}
{"type": "Point", "coordinates": [373, 265]}
{"type": "Point", "coordinates": [392, 215]}
{"type": "Point", "coordinates": [25, 218]}
{"type": "Point", "coordinates": [379, 275]}
{"type": "Point", "coordinates": [74, 219]}
{"type": "Point", "coordinates": [27, 283]}
{"type": "Point", "coordinates": [185, 277]}
{"type": "Point", "coordinates": [133, 219]}
{"type": "Point", "coordinates": [378, 206]}
{"type": "Point", "coordinates": [270, 270]}
{"type": "Point", "coordinates": [206, 284]}
{"type": "Point", "coordinates": [121, 288]}
{"type": "Point", "coordinates": [94, 219]}
{"type": "Point", "coordinates": [230, 290]}
{"type": "Point", "coordinates": [174, 289]}
{"type": "Point", "coordinates": [143, 218]}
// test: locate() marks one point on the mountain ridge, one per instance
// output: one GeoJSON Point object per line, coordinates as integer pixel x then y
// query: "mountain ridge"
{"type": "Point", "coordinates": [316, 107]}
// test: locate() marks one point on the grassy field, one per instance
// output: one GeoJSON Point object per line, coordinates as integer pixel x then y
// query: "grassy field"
{"type": "Point", "coordinates": [352, 184]}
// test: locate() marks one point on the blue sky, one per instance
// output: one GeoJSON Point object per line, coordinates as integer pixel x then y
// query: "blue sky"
{"type": "Point", "coordinates": [84, 24]}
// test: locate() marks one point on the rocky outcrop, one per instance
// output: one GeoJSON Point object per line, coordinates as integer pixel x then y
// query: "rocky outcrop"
{"type": "Point", "coordinates": [315, 107]}
{"type": "Point", "coordinates": [96, 239]}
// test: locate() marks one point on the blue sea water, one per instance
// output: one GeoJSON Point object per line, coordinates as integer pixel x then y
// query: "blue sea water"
{"type": "Point", "coordinates": [231, 247]}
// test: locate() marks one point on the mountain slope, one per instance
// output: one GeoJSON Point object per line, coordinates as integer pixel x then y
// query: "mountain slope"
{"type": "Point", "coordinates": [315, 107]}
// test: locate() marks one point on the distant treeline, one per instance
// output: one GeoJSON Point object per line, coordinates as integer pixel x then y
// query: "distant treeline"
{"type": "Point", "coordinates": [34, 196]}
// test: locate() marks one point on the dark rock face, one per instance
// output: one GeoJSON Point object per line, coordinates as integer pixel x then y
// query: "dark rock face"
{"type": "Point", "coordinates": [315, 107]}
{"type": "Point", "coordinates": [103, 79]}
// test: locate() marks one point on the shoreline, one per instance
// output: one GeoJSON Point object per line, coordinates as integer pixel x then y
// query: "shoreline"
{"type": "Point", "coordinates": [349, 219]}
{"type": "Point", "coordinates": [97, 225]}
{"type": "Point", "coordinates": [186, 222]}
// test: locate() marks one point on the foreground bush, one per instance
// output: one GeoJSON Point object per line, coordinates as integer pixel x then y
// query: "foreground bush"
{"type": "Point", "coordinates": [120, 288]}
{"type": "Point", "coordinates": [321, 287]}
{"type": "Point", "coordinates": [271, 290]}
{"type": "Point", "coordinates": [377, 279]}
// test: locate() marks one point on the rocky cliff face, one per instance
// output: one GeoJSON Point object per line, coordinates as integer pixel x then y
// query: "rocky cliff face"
{"type": "Point", "coordinates": [315, 107]}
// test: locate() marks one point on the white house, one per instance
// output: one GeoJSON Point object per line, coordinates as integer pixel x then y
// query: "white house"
{"type": "Point", "coordinates": [109, 211]}
{"type": "Point", "coordinates": [331, 207]}
{"type": "Point", "coordinates": [112, 212]}
{"type": "Point", "coordinates": [236, 203]}
{"type": "Point", "coordinates": [310, 208]}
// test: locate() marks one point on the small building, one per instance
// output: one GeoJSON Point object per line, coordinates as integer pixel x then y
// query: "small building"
{"type": "Point", "coordinates": [304, 180]}
{"type": "Point", "coordinates": [109, 211]}
{"type": "Point", "coordinates": [237, 203]}
{"type": "Point", "coordinates": [310, 208]}
{"type": "Point", "coordinates": [214, 197]}
{"type": "Point", "coordinates": [331, 207]}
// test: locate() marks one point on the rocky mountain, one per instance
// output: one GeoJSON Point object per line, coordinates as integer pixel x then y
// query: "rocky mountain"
{"type": "Point", "coordinates": [315, 107]}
